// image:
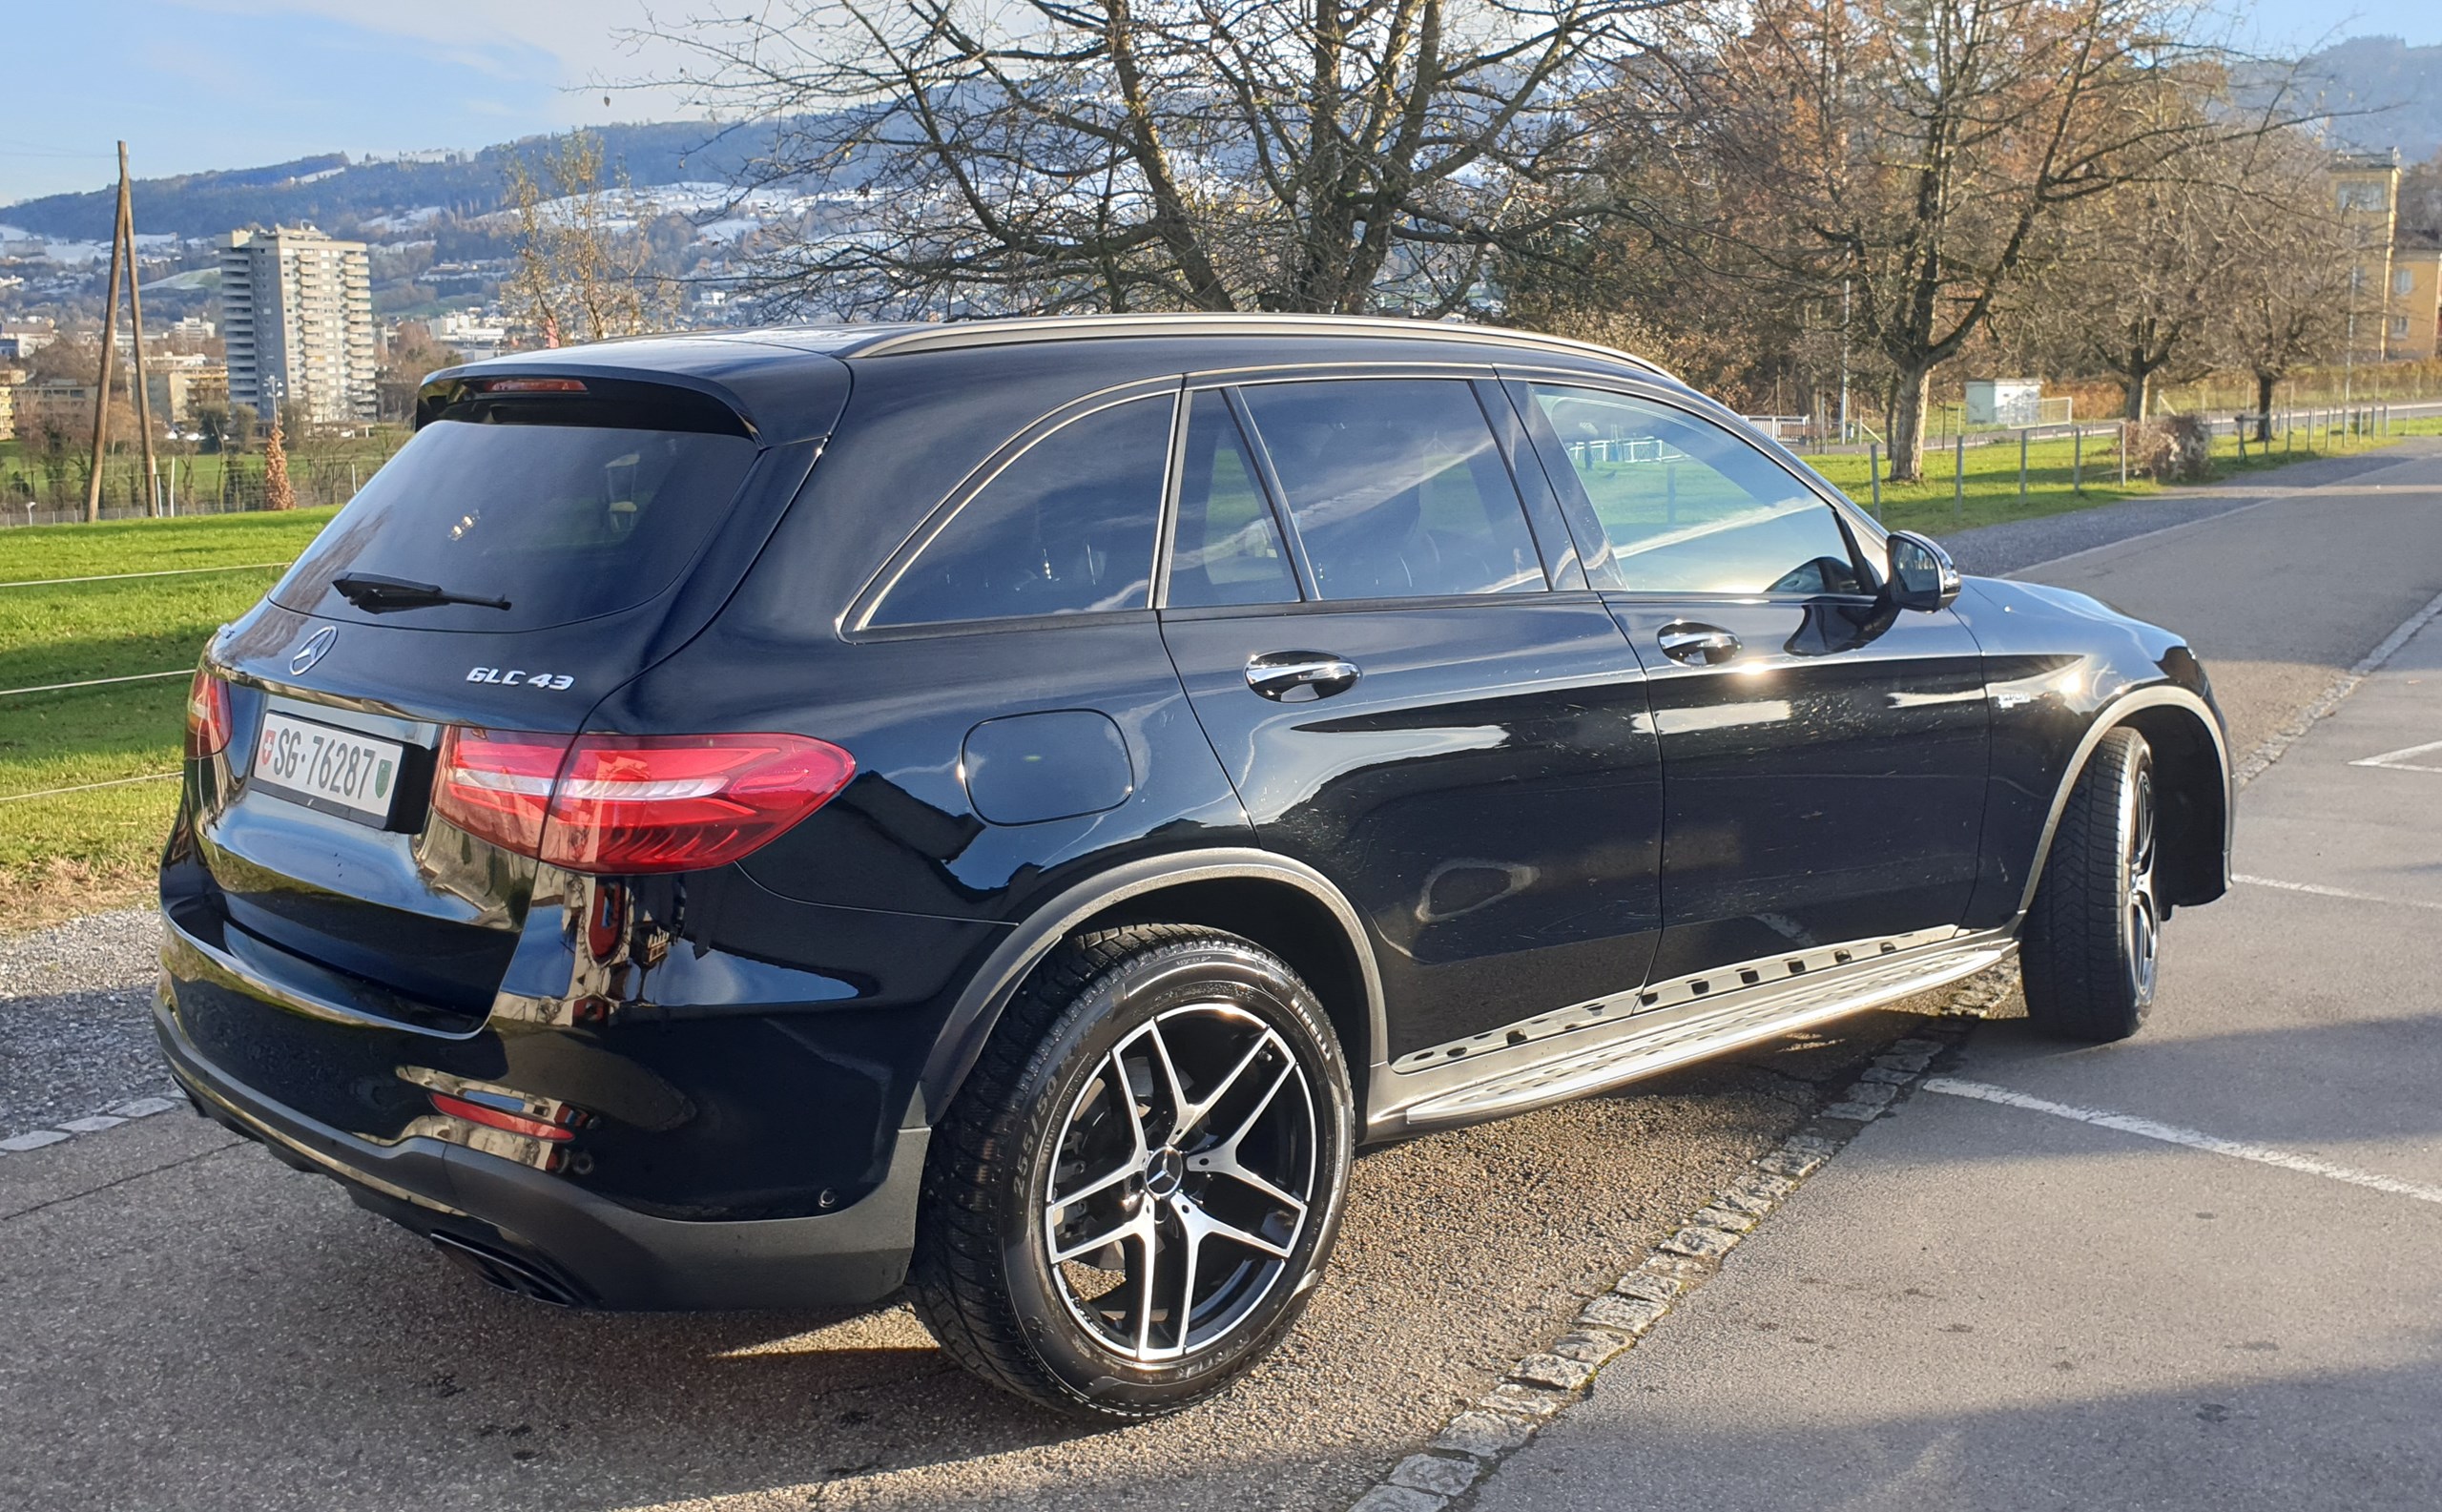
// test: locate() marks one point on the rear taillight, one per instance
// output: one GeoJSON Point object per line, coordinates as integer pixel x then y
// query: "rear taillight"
{"type": "Point", "coordinates": [497, 784]}
{"type": "Point", "coordinates": [207, 715]}
{"type": "Point", "coordinates": [633, 803]}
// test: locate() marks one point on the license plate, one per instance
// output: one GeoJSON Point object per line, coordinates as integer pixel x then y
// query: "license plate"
{"type": "Point", "coordinates": [338, 772]}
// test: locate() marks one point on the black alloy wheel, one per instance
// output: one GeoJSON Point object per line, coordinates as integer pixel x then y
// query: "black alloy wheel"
{"type": "Point", "coordinates": [1138, 1186]}
{"type": "Point", "coordinates": [2092, 944]}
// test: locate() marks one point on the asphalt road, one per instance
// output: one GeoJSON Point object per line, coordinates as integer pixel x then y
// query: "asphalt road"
{"type": "Point", "coordinates": [2009, 1296]}
{"type": "Point", "coordinates": [192, 1325]}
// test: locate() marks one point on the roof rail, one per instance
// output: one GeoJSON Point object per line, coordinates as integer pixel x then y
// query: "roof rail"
{"type": "Point", "coordinates": [1002, 331]}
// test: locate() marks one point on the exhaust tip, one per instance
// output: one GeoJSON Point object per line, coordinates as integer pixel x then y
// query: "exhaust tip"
{"type": "Point", "coordinates": [506, 1271]}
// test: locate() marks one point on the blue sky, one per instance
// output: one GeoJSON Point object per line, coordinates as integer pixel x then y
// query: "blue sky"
{"type": "Point", "coordinates": [203, 84]}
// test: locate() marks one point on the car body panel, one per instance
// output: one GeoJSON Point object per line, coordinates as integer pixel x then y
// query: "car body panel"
{"type": "Point", "coordinates": [1825, 784]}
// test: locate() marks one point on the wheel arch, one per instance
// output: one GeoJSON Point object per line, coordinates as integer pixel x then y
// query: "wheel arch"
{"type": "Point", "coordinates": [2192, 772]}
{"type": "Point", "coordinates": [1288, 909]}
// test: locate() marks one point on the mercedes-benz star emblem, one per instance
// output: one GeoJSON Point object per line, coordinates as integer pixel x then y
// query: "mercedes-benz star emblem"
{"type": "Point", "coordinates": [314, 649]}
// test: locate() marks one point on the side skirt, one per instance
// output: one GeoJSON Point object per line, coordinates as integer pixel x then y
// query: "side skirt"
{"type": "Point", "coordinates": [1594, 1047]}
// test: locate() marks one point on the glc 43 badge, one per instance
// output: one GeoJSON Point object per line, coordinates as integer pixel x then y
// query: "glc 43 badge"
{"type": "Point", "coordinates": [511, 677]}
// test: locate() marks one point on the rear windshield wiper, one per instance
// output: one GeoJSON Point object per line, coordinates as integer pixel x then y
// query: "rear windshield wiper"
{"type": "Point", "coordinates": [374, 593]}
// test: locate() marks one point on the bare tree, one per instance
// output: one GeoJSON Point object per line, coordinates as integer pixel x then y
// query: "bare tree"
{"type": "Point", "coordinates": [2285, 303]}
{"type": "Point", "coordinates": [1207, 154]}
{"type": "Point", "coordinates": [583, 266]}
{"type": "Point", "coordinates": [2141, 288]}
{"type": "Point", "coordinates": [1927, 153]}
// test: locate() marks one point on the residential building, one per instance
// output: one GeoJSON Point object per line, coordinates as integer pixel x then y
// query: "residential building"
{"type": "Point", "coordinates": [2413, 328]}
{"type": "Point", "coordinates": [297, 322]}
{"type": "Point", "coordinates": [2395, 271]}
{"type": "Point", "coordinates": [18, 346]}
{"type": "Point", "coordinates": [9, 378]}
{"type": "Point", "coordinates": [176, 389]}
{"type": "Point", "coordinates": [63, 405]}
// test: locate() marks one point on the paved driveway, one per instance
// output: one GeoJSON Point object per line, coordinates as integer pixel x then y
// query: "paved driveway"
{"type": "Point", "coordinates": [2199, 1270]}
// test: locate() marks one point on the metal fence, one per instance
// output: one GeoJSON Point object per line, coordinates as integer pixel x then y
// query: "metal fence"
{"type": "Point", "coordinates": [37, 490]}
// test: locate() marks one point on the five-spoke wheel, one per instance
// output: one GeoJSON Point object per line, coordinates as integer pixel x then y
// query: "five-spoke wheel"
{"type": "Point", "coordinates": [1137, 1186]}
{"type": "Point", "coordinates": [1186, 1170]}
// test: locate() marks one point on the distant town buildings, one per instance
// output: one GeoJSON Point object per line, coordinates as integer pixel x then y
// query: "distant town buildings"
{"type": "Point", "coordinates": [2397, 278]}
{"type": "Point", "coordinates": [472, 334]}
{"type": "Point", "coordinates": [296, 320]}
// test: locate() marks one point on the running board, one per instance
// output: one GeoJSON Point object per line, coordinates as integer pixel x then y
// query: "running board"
{"type": "Point", "coordinates": [1594, 1047]}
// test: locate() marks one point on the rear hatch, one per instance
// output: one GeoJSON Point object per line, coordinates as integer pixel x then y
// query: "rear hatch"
{"type": "Point", "coordinates": [540, 541]}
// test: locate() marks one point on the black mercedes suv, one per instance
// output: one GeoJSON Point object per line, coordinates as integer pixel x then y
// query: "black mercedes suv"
{"type": "Point", "coordinates": [1005, 809]}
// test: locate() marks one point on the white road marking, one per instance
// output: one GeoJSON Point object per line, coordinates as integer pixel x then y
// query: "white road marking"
{"type": "Point", "coordinates": [2193, 1139]}
{"type": "Point", "coordinates": [2320, 891]}
{"type": "Point", "coordinates": [2394, 759]}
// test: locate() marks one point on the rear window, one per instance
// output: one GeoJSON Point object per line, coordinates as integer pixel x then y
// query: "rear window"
{"type": "Point", "coordinates": [564, 522]}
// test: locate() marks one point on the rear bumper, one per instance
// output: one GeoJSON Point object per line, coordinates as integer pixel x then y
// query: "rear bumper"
{"type": "Point", "coordinates": [575, 1246]}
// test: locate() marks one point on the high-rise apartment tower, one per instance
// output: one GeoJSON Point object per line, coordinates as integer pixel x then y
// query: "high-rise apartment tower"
{"type": "Point", "coordinates": [297, 318]}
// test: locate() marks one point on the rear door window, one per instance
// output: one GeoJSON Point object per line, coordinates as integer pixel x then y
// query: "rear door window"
{"type": "Point", "coordinates": [1227, 549]}
{"type": "Point", "coordinates": [1067, 527]}
{"type": "Point", "coordinates": [564, 522]}
{"type": "Point", "coordinates": [1396, 488]}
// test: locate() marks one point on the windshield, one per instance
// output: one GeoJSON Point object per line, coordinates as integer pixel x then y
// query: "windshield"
{"type": "Point", "coordinates": [564, 522]}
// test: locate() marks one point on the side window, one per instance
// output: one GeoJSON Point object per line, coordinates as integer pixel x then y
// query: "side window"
{"type": "Point", "coordinates": [1227, 548]}
{"type": "Point", "coordinates": [1067, 527]}
{"type": "Point", "coordinates": [1689, 508]}
{"type": "Point", "coordinates": [1396, 488]}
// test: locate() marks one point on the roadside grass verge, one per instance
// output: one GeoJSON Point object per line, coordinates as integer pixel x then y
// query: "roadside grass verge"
{"type": "Point", "coordinates": [42, 551]}
{"type": "Point", "coordinates": [2053, 477]}
{"type": "Point", "coordinates": [63, 854]}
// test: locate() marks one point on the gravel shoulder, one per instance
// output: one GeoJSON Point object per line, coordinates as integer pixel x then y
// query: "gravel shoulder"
{"type": "Point", "coordinates": [75, 1019]}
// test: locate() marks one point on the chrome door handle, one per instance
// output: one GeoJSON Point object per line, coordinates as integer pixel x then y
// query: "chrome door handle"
{"type": "Point", "coordinates": [1299, 676]}
{"type": "Point", "coordinates": [1698, 645]}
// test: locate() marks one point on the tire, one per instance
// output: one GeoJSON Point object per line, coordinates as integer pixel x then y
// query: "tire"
{"type": "Point", "coordinates": [1038, 1158]}
{"type": "Point", "coordinates": [2093, 937]}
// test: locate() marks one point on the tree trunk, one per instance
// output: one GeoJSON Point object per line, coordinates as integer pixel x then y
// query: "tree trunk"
{"type": "Point", "coordinates": [2263, 383]}
{"type": "Point", "coordinates": [2138, 387]}
{"type": "Point", "coordinates": [1913, 392]}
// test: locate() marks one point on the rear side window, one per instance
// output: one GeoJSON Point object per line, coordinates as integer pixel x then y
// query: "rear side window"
{"type": "Point", "coordinates": [564, 522]}
{"type": "Point", "coordinates": [1227, 546]}
{"type": "Point", "coordinates": [1396, 488]}
{"type": "Point", "coordinates": [1064, 528]}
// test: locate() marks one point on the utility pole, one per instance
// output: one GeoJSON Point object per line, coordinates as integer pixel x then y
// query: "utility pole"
{"type": "Point", "coordinates": [135, 331]}
{"type": "Point", "coordinates": [122, 254]}
{"type": "Point", "coordinates": [109, 360]}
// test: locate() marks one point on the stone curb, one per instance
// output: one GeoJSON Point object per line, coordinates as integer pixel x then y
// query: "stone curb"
{"type": "Point", "coordinates": [91, 1124]}
{"type": "Point", "coordinates": [1455, 1460]}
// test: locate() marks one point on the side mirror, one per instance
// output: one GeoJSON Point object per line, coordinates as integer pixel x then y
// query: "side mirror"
{"type": "Point", "coordinates": [1922, 574]}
